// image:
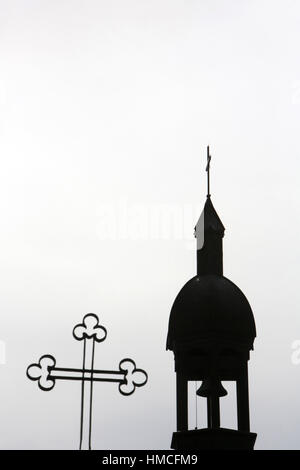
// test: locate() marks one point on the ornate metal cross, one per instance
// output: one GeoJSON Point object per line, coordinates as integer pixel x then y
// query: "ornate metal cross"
{"type": "Point", "coordinates": [90, 332]}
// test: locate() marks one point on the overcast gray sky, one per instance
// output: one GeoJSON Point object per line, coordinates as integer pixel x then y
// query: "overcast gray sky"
{"type": "Point", "coordinates": [106, 108]}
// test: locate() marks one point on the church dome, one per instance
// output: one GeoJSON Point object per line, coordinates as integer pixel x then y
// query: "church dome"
{"type": "Point", "coordinates": [210, 307]}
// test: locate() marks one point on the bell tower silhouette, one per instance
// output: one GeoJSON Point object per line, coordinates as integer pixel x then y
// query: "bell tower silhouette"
{"type": "Point", "coordinates": [211, 331]}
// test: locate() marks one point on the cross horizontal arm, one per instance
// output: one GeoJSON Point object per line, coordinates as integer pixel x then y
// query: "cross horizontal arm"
{"type": "Point", "coordinates": [128, 376]}
{"type": "Point", "coordinates": [95, 371]}
{"type": "Point", "coordinates": [87, 374]}
{"type": "Point", "coordinates": [86, 379]}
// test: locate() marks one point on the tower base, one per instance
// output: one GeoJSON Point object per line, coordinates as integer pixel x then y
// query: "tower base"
{"type": "Point", "coordinates": [213, 439]}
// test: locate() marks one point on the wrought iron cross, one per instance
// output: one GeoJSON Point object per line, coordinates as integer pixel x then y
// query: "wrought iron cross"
{"type": "Point", "coordinates": [90, 332]}
{"type": "Point", "coordinates": [207, 169]}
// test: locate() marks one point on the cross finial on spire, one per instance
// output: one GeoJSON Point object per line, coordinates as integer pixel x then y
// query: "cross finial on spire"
{"type": "Point", "coordinates": [207, 169]}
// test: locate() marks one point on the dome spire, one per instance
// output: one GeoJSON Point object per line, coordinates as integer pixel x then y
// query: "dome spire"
{"type": "Point", "coordinates": [209, 232]}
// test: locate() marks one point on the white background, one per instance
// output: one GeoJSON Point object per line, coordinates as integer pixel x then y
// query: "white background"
{"type": "Point", "coordinates": [110, 104]}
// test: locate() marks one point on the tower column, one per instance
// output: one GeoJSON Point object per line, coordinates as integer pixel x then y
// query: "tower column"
{"type": "Point", "coordinates": [214, 408]}
{"type": "Point", "coordinates": [242, 395]}
{"type": "Point", "coordinates": [182, 402]}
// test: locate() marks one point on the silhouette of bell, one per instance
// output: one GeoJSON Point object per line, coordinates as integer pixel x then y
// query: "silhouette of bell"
{"type": "Point", "coordinates": [211, 387]}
